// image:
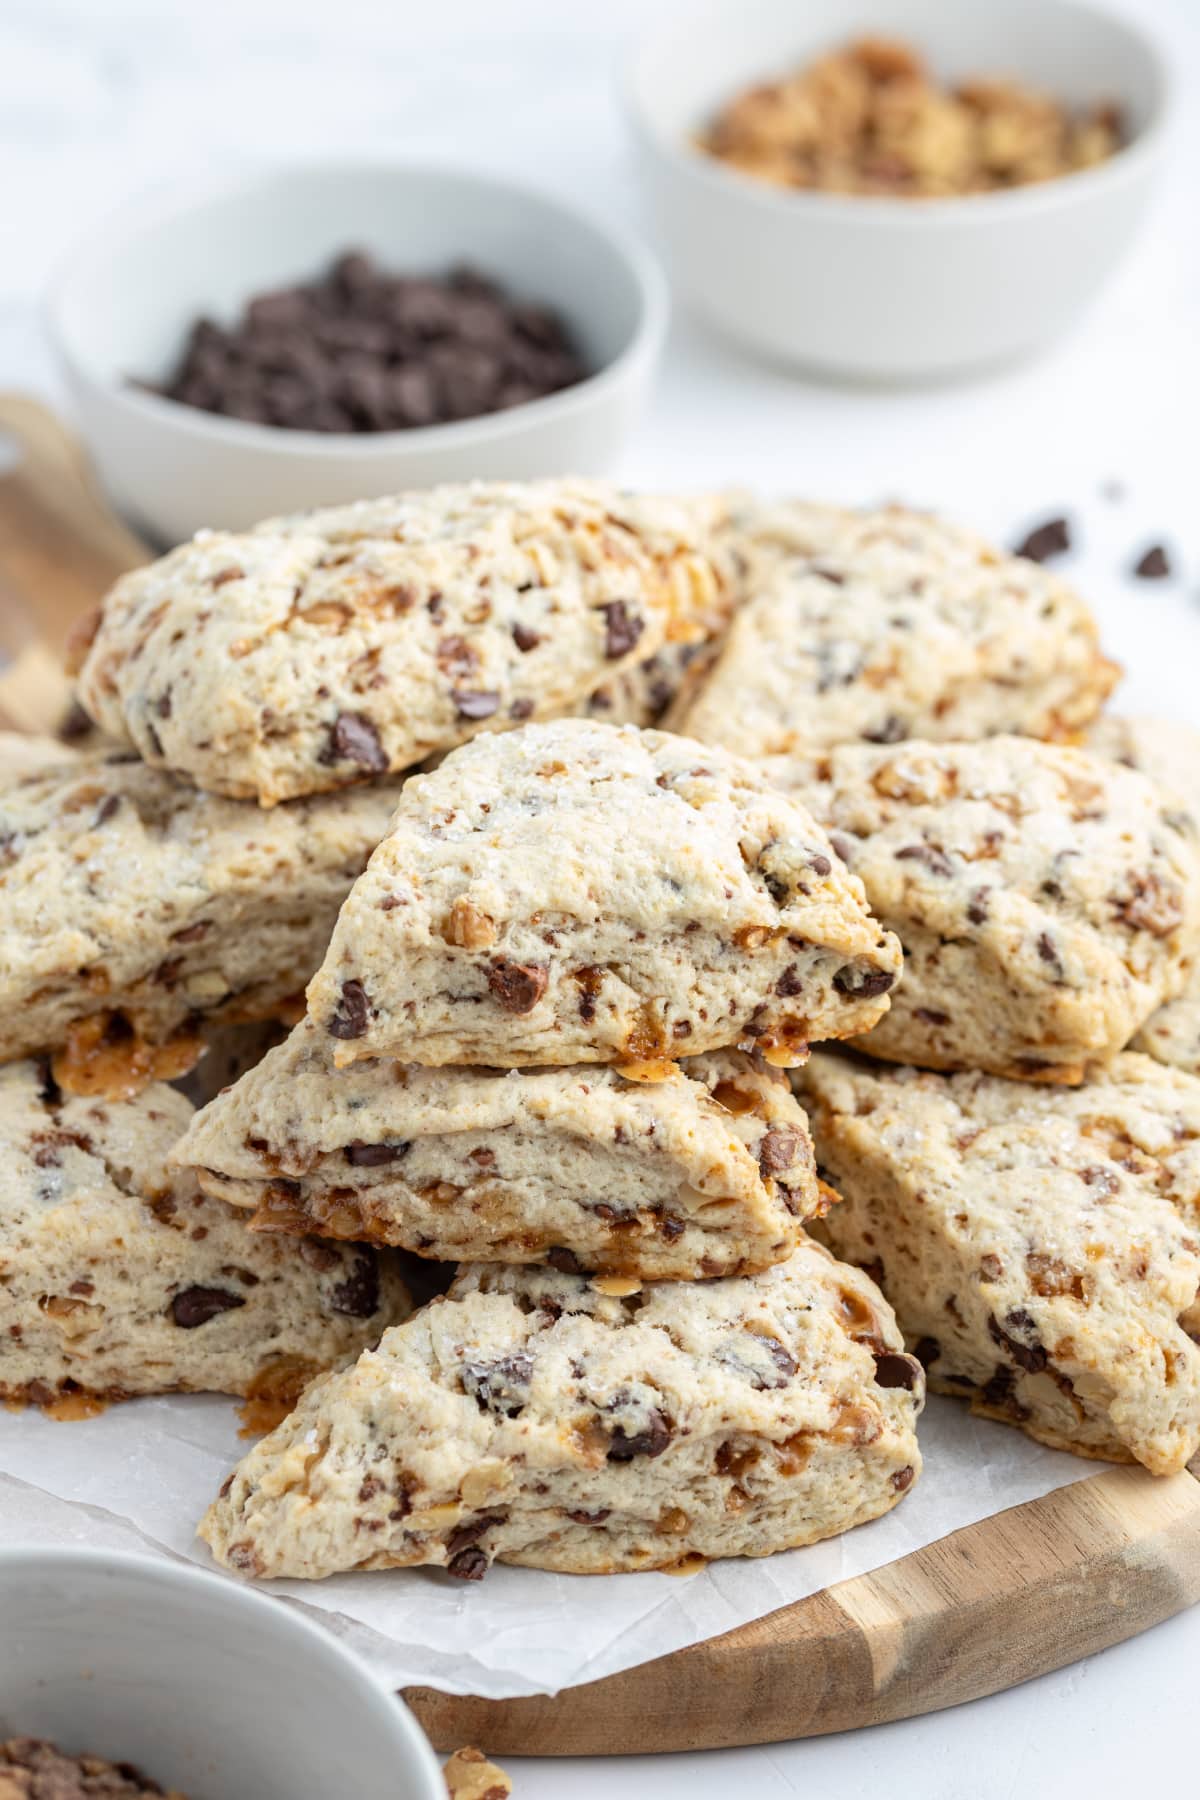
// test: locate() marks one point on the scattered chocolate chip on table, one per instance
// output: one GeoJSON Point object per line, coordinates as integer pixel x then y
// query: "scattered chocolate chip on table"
{"type": "Point", "coordinates": [1153, 565]}
{"type": "Point", "coordinates": [1045, 541]}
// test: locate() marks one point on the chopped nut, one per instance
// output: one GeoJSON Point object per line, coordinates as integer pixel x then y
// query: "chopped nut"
{"type": "Point", "coordinates": [470, 1776]}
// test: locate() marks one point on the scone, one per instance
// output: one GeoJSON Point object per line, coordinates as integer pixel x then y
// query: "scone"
{"type": "Point", "coordinates": [1169, 754]}
{"type": "Point", "coordinates": [888, 624]}
{"type": "Point", "coordinates": [532, 1417]}
{"type": "Point", "coordinates": [1047, 902]}
{"type": "Point", "coordinates": [577, 892]}
{"type": "Point", "coordinates": [133, 908]}
{"type": "Point", "coordinates": [117, 1278]}
{"type": "Point", "coordinates": [706, 1173]}
{"type": "Point", "coordinates": [26, 753]}
{"type": "Point", "coordinates": [327, 648]}
{"type": "Point", "coordinates": [1041, 1247]}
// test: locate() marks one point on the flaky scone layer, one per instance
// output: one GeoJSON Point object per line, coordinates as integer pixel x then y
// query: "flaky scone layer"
{"type": "Point", "coordinates": [533, 1417]}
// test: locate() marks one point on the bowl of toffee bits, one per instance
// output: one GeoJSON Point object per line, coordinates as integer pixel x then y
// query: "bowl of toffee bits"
{"type": "Point", "coordinates": [321, 334]}
{"type": "Point", "coordinates": [896, 190]}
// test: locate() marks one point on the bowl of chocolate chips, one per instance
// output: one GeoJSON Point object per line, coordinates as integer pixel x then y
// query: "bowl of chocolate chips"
{"type": "Point", "coordinates": [320, 334]}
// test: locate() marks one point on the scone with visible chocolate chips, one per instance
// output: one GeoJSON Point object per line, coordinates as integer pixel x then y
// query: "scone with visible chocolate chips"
{"type": "Point", "coordinates": [705, 1173]}
{"type": "Point", "coordinates": [886, 625]}
{"type": "Point", "coordinates": [117, 1278]}
{"type": "Point", "coordinates": [134, 908]}
{"type": "Point", "coordinates": [1047, 902]}
{"type": "Point", "coordinates": [531, 1417]}
{"type": "Point", "coordinates": [577, 892]}
{"type": "Point", "coordinates": [1041, 1247]}
{"type": "Point", "coordinates": [1169, 754]}
{"type": "Point", "coordinates": [324, 649]}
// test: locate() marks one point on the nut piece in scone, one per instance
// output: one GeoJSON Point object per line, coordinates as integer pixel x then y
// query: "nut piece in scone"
{"type": "Point", "coordinates": [134, 908]}
{"type": "Point", "coordinates": [1170, 755]}
{"type": "Point", "coordinates": [533, 1417]}
{"type": "Point", "coordinates": [470, 1776]}
{"type": "Point", "coordinates": [886, 625]}
{"type": "Point", "coordinates": [707, 1172]}
{"type": "Point", "coordinates": [577, 892]}
{"type": "Point", "coordinates": [1047, 902]}
{"type": "Point", "coordinates": [1041, 1246]}
{"type": "Point", "coordinates": [327, 648]}
{"type": "Point", "coordinates": [117, 1278]}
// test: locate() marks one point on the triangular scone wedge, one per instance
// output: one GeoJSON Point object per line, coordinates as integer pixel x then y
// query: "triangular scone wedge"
{"type": "Point", "coordinates": [118, 1279]}
{"type": "Point", "coordinates": [705, 1173]}
{"type": "Point", "coordinates": [135, 910]}
{"type": "Point", "coordinates": [890, 624]}
{"type": "Point", "coordinates": [1048, 901]}
{"type": "Point", "coordinates": [323, 649]}
{"type": "Point", "coordinates": [577, 892]}
{"type": "Point", "coordinates": [1041, 1246]}
{"type": "Point", "coordinates": [531, 1417]}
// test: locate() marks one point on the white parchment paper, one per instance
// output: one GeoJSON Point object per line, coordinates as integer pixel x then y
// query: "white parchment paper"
{"type": "Point", "coordinates": [139, 1477]}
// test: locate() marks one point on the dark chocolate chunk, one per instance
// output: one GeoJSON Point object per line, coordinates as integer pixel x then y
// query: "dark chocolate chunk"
{"type": "Point", "coordinates": [350, 1016]}
{"type": "Point", "coordinates": [353, 738]}
{"type": "Point", "coordinates": [475, 705]}
{"type": "Point", "coordinates": [857, 983]}
{"type": "Point", "coordinates": [358, 1295]}
{"type": "Point", "coordinates": [469, 1565]}
{"type": "Point", "coordinates": [1030, 1357]}
{"type": "Point", "coordinates": [652, 1441]}
{"type": "Point", "coordinates": [517, 987]}
{"type": "Point", "coordinates": [1153, 565]}
{"type": "Point", "coordinates": [1045, 541]}
{"type": "Point", "coordinates": [197, 1305]}
{"type": "Point", "coordinates": [374, 1156]}
{"type": "Point", "coordinates": [778, 1150]}
{"type": "Point", "coordinates": [622, 628]}
{"type": "Point", "coordinates": [895, 1371]}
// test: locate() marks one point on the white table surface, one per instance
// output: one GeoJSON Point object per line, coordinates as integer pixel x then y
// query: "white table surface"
{"type": "Point", "coordinates": [102, 101]}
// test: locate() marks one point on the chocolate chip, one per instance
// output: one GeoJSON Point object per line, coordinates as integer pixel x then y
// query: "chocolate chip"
{"type": "Point", "coordinates": [469, 1565]}
{"type": "Point", "coordinates": [927, 1350]}
{"type": "Point", "coordinates": [517, 987]}
{"type": "Point", "coordinates": [978, 905]}
{"type": "Point", "coordinates": [564, 1260]}
{"type": "Point", "coordinates": [502, 1386]}
{"type": "Point", "coordinates": [525, 639]}
{"type": "Point", "coordinates": [789, 983]}
{"type": "Point", "coordinates": [1045, 541]}
{"type": "Point", "coordinates": [350, 1016]}
{"type": "Point", "coordinates": [374, 1156]}
{"type": "Point", "coordinates": [475, 705]}
{"type": "Point", "coordinates": [590, 1518]}
{"type": "Point", "coordinates": [358, 1295]}
{"type": "Point", "coordinates": [778, 1150]}
{"type": "Point", "coordinates": [895, 1371]}
{"type": "Point", "coordinates": [353, 738]}
{"type": "Point", "coordinates": [892, 731]}
{"type": "Point", "coordinates": [931, 856]}
{"type": "Point", "coordinates": [622, 629]}
{"type": "Point", "coordinates": [903, 1478]}
{"type": "Point", "coordinates": [650, 1442]}
{"type": "Point", "coordinates": [857, 983]}
{"type": "Point", "coordinates": [1153, 565]}
{"type": "Point", "coordinates": [1030, 1357]}
{"type": "Point", "coordinates": [197, 1305]}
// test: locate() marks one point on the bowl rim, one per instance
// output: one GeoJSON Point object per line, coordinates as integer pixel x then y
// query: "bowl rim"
{"type": "Point", "coordinates": [925, 213]}
{"type": "Point", "coordinates": [140, 216]}
{"type": "Point", "coordinates": [395, 1718]}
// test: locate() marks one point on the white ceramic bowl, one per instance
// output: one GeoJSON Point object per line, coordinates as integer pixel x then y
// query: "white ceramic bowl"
{"type": "Point", "coordinates": [881, 289]}
{"type": "Point", "coordinates": [124, 304]}
{"type": "Point", "coordinates": [204, 1685]}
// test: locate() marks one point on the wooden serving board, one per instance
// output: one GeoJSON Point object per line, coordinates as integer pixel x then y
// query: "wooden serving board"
{"type": "Point", "coordinates": [1019, 1594]}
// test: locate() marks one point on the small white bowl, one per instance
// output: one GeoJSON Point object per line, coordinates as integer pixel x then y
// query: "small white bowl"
{"type": "Point", "coordinates": [202, 1684]}
{"type": "Point", "coordinates": [883, 289]}
{"type": "Point", "coordinates": [123, 307]}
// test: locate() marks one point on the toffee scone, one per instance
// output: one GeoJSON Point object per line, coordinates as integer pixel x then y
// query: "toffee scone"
{"type": "Point", "coordinates": [1048, 902]}
{"type": "Point", "coordinates": [888, 624]}
{"type": "Point", "coordinates": [1170, 755]}
{"type": "Point", "coordinates": [533, 1417]}
{"type": "Point", "coordinates": [134, 908]}
{"type": "Point", "coordinates": [578, 892]}
{"type": "Point", "coordinates": [705, 1173]}
{"type": "Point", "coordinates": [117, 1278]}
{"type": "Point", "coordinates": [1041, 1246]}
{"type": "Point", "coordinates": [324, 649]}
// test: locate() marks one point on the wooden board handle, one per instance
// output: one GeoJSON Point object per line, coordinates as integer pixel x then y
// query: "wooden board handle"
{"type": "Point", "coordinates": [61, 549]}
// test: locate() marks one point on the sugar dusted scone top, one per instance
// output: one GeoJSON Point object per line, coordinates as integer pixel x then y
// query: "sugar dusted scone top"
{"type": "Point", "coordinates": [705, 1173]}
{"type": "Point", "coordinates": [532, 1417]}
{"type": "Point", "coordinates": [1048, 902]}
{"type": "Point", "coordinates": [1041, 1246]}
{"type": "Point", "coordinates": [577, 892]}
{"type": "Point", "coordinates": [125, 891]}
{"type": "Point", "coordinates": [888, 625]}
{"type": "Point", "coordinates": [318, 650]}
{"type": "Point", "coordinates": [117, 1277]}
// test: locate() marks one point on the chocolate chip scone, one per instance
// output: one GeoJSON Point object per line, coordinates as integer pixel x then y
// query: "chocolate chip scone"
{"type": "Point", "coordinates": [32, 1769]}
{"type": "Point", "coordinates": [134, 908]}
{"type": "Point", "coordinates": [705, 1173]}
{"type": "Point", "coordinates": [1170, 755]}
{"type": "Point", "coordinates": [1047, 902]}
{"type": "Point", "coordinates": [532, 1417]}
{"type": "Point", "coordinates": [577, 892]}
{"type": "Point", "coordinates": [886, 625]}
{"type": "Point", "coordinates": [118, 1278]}
{"type": "Point", "coordinates": [324, 649]}
{"type": "Point", "coordinates": [1041, 1247]}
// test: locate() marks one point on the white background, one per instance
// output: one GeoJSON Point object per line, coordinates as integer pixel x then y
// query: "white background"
{"type": "Point", "coordinates": [101, 99]}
